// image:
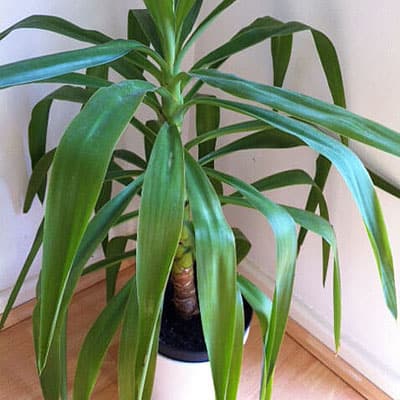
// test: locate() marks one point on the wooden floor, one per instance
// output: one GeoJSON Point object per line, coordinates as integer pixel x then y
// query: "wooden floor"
{"type": "Point", "coordinates": [299, 375]}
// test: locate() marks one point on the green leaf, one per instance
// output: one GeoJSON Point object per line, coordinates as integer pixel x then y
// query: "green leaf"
{"type": "Point", "coordinates": [97, 342]}
{"type": "Point", "coordinates": [222, 6]}
{"type": "Point", "coordinates": [297, 177]}
{"type": "Point", "coordinates": [266, 139]}
{"type": "Point", "coordinates": [144, 24]}
{"type": "Point", "coordinates": [355, 177]}
{"type": "Point", "coordinates": [128, 347]}
{"type": "Point", "coordinates": [109, 262]}
{"type": "Point", "coordinates": [57, 25]}
{"type": "Point", "coordinates": [75, 78]}
{"type": "Point", "coordinates": [284, 230]}
{"type": "Point", "coordinates": [130, 157]}
{"type": "Point", "coordinates": [84, 152]}
{"type": "Point", "coordinates": [38, 179]}
{"type": "Point", "coordinates": [237, 355]}
{"type": "Point", "coordinates": [114, 247]}
{"type": "Point", "coordinates": [384, 184]}
{"type": "Point", "coordinates": [258, 301]}
{"type": "Point", "coordinates": [321, 227]}
{"type": "Point", "coordinates": [266, 28]}
{"type": "Point", "coordinates": [322, 169]}
{"type": "Point", "coordinates": [160, 225]}
{"type": "Point", "coordinates": [37, 134]}
{"type": "Point", "coordinates": [135, 30]}
{"type": "Point", "coordinates": [216, 273]}
{"type": "Point", "coordinates": [262, 307]}
{"type": "Point", "coordinates": [242, 244]}
{"type": "Point", "coordinates": [45, 67]}
{"type": "Point", "coordinates": [281, 49]}
{"type": "Point", "coordinates": [163, 16]}
{"type": "Point", "coordinates": [53, 379]}
{"type": "Point", "coordinates": [207, 119]}
{"type": "Point", "coordinates": [23, 274]}
{"type": "Point", "coordinates": [190, 20]}
{"type": "Point", "coordinates": [308, 109]}
{"type": "Point", "coordinates": [182, 10]}
{"type": "Point", "coordinates": [240, 127]}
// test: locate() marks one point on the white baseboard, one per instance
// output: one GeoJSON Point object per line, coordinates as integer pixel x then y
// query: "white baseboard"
{"type": "Point", "coordinates": [351, 351]}
{"type": "Point", "coordinates": [26, 293]}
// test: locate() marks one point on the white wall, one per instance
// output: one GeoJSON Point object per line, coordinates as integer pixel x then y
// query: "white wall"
{"type": "Point", "coordinates": [17, 230]}
{"type": "Point", "coordinates": [365, 36]}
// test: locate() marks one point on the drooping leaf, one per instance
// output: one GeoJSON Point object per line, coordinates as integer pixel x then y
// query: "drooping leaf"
{"type": "Point", "coordinates": [354, 175]}
{"type": "Point", "coordinates": [284, 230]}
{"type": "Point", "coordinates": [308, 109]}
{"type": "Point", "coordinates": [266, 28]}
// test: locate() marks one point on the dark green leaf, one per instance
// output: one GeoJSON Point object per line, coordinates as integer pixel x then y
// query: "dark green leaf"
{"type": "Point", "coordinates": [281, 49]}
{"type": "Point", "coordinates": [242, 244]}
{"type": "Point", "coordinates": [38, 179]}
{"type": "Point", "coordinates": [130, 157]}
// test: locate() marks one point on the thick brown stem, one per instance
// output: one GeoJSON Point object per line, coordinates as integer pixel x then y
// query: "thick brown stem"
{"type": "Point", "coordinates": [185, 298]}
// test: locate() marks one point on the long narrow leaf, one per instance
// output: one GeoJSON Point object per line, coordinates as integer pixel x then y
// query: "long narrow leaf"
{"type": "Point", "coordinates": [281, 49]}
{"type": "Point", "coordinates": [38, 179]}
{"type": "Point", "coordinates": [284, 230]}
{"type": "Point", "coordinates": [265, 139]}
{"type": "Point", "coordinates": [85, 152]}
{"type": "Point", "coordinates": [37, 242]}
{"type": "Point", "coordinates": [160, 225]}
{"type": "Point", "coordinates": [45, 67]}
{"type": "Point", "coordinates": [267, 27]}
{"type": "Point", "coordinates": [216, 272]}
{"type": "Point", "coordinates": [309, 109]}
{"type": "Point", "coordinates": [354, 175]}
{"type": "Point", "coordinates": [96, 343]}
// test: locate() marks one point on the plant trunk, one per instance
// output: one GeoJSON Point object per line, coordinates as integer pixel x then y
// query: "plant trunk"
{"type": "Point", "coordinates": [183, 279]}
{"type": "Point", "coordinates": [185, 297]}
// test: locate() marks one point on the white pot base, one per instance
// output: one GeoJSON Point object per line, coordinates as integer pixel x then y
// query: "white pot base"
{"type": "Point", "coordinates": [177, 380]}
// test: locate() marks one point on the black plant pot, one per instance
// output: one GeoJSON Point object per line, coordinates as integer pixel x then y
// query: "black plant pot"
{"type": "Point", "coordinates": [183, 340]}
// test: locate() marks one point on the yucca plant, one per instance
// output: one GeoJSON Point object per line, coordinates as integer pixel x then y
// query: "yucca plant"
{"type": "Point", "coordinates": [180, 217]}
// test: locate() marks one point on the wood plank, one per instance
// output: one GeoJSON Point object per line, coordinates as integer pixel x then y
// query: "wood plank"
{"type": "Point", "coordinates": [24, 311]}
{"type": "Point", "coordinates": [334, 362]}
{"type": "Point", "coordinates": [299, 375]}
